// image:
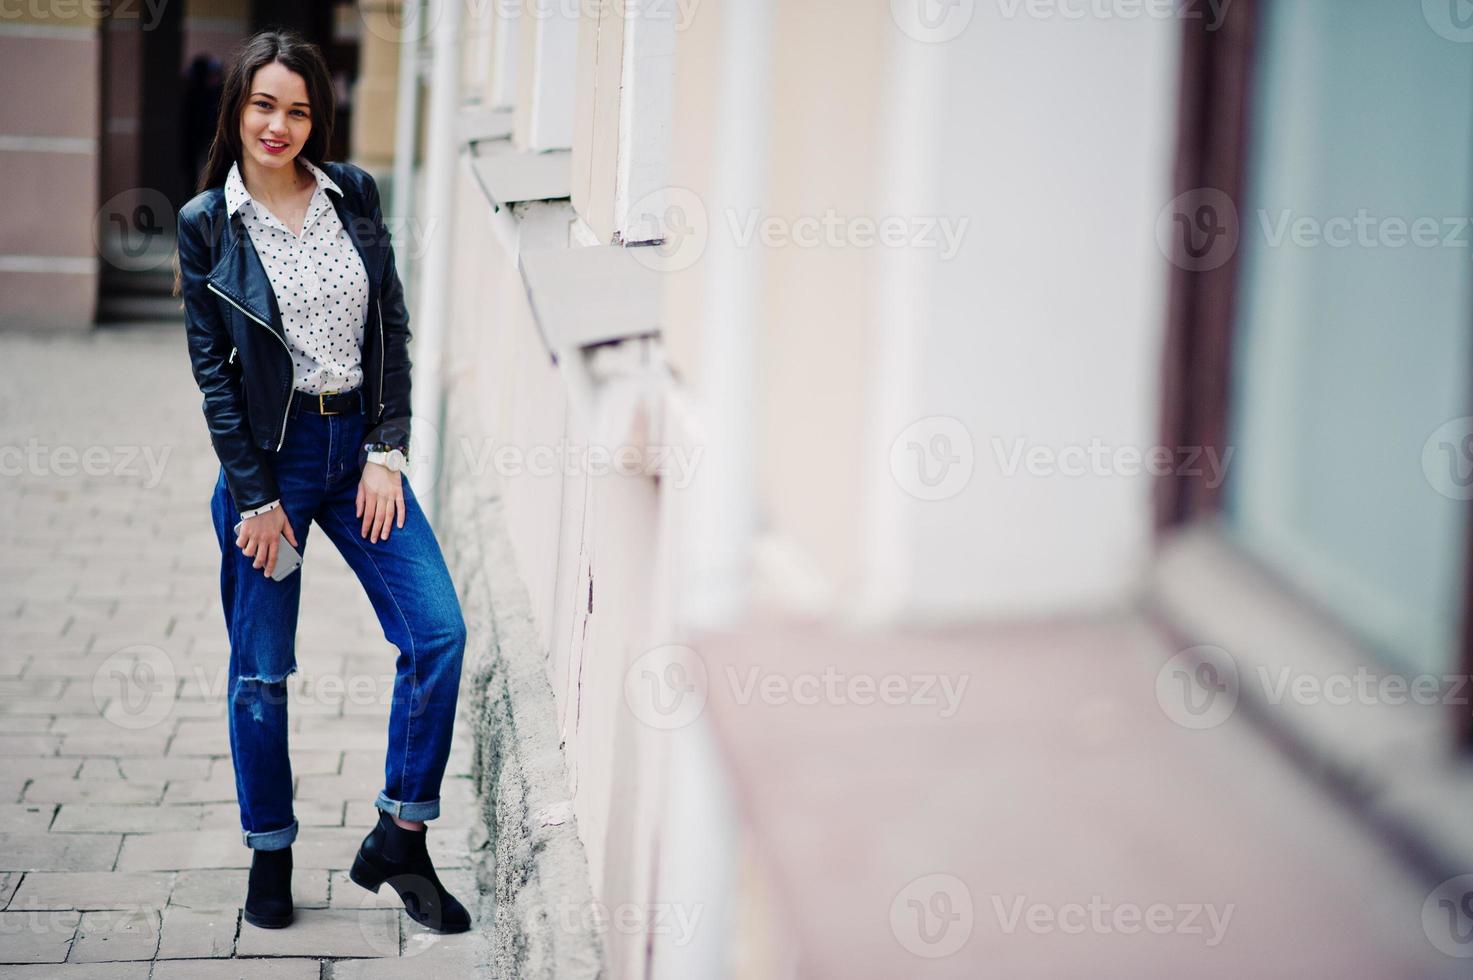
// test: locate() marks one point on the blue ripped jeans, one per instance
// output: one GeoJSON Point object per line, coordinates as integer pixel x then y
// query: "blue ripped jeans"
{"type": "Point", "coordinates": [317, 472]}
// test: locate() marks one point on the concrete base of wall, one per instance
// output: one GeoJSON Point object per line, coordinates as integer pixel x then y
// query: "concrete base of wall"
{"type": "Point", "coordinates": [533, 864]}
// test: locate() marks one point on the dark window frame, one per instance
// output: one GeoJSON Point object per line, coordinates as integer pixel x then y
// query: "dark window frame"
{"type": "Point", "coordinates": [1218, 72]}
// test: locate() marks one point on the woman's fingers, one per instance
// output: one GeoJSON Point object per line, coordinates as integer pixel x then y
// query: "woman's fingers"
{"type": "Point", "coordinates": [399, 504]}
{"type": "Point", "coordinates": [381, 519]}
{"type": "Point", "coordinates": [286, 528]}
{"type": "Point", "coordinates": [271, 548]}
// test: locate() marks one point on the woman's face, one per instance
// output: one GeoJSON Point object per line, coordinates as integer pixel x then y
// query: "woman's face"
{"type": "Point", "coordinates": [277, 118]}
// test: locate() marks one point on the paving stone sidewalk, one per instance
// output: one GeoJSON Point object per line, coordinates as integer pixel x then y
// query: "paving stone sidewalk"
{"type": "Point", "coordinates": [120, 847]}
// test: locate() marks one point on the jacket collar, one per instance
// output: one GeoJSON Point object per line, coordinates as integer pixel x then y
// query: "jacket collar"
{"type": "Point", "coordinates": [239, 274]}
{"type": "Point", "coordinates": [236, 194]}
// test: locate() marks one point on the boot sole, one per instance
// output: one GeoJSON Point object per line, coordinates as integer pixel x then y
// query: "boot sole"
{"type": "Point", "coordinates": [366, 875]}
{"type": "Point", "coordinates": [268, 921]}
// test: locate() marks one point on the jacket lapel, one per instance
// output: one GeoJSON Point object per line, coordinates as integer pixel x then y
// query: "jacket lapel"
{"type": "Point", "coordinates": [242, 278]}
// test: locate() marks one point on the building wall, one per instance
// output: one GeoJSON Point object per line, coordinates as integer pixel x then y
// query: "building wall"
{"type": "Point", "coordinates": [836, 351]}
{"type": "Point", "coordinates": [50, 136]}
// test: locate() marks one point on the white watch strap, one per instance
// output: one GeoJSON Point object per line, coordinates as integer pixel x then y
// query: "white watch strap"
{"type": "Point", "coordinates": [260, 510]}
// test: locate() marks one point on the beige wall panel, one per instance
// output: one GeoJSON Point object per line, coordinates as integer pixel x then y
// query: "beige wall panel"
{"type": "Point", "coordinates": [51, 216]}
{"type": "Point", "coordinates": [50, 86]}
{"type": "Point", "coordinates": [47, 301]}
{"type": "Point", "coordinates": [693, 127]}
{"type": "Point", "coordinates": [829, 70]}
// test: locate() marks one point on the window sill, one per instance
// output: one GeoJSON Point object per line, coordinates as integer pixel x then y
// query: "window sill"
{"type": "Point", "coordinates": [1392, 758]}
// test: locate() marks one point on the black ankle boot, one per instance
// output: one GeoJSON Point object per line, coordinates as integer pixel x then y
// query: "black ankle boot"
{"type": "Point", "coordinates": [391, 853]}
{"type": "Point", "coordinates": [268, 901]}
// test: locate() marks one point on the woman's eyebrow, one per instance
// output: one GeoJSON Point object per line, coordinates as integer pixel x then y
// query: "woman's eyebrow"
{"type": "Point", "coordinates": [268, 95]}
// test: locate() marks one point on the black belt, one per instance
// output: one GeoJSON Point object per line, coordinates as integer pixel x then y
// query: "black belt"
{"type": "Point", "coordinates": [331, 404]}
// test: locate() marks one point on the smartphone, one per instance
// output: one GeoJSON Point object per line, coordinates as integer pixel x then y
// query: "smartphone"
{"type": "Point", "coordinates": [287, 558]}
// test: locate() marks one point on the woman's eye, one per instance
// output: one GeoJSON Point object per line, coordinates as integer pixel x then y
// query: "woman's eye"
{"type": "Point", "coordinates": [301, 113]}
{"type": "Point", "coordinates": [263, 105]}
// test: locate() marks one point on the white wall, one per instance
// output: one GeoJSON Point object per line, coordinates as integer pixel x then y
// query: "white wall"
{"type": "Point", "coordinates": [1055, 139]}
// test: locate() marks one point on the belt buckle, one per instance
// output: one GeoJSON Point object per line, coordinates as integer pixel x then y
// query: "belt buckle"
{"type": "Point", "coordinates": [322, 406]}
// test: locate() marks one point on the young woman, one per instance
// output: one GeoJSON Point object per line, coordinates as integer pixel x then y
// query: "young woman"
{"type": "Point", "coordinates": [298, 338]}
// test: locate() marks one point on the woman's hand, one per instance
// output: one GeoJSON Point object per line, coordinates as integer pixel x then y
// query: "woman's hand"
{"type": "Point", "coordinates": [260, 537]}
{"type": "Point", "coordinates": [380, 501]}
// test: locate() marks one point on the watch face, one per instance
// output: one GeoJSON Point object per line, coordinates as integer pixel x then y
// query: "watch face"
{"type": "Point", "coordinates": [397, 460]}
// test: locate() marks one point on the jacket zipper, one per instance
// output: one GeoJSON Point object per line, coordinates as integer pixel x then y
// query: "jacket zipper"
{"type": "Point", "coordinates": [286, 414]}
{"type": "Point", "coordinates": [383, 355]}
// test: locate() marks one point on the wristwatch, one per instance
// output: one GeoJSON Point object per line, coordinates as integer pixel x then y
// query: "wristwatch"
{"type": "Point", "coordinates": [385, 455]}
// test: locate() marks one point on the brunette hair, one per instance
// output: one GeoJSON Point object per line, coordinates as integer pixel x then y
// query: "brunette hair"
{"type": "Point", "coordinates": [261, 49]}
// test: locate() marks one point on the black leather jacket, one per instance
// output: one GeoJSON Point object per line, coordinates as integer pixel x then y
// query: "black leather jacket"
{"type": "Point", "coordinates": [237, 343]}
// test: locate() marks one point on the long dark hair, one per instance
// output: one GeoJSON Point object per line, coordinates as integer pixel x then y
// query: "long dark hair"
{"type": "Point", "coordinates": [263, 48]}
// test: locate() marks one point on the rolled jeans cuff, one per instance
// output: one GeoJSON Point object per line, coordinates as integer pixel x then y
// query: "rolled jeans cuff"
{"type": "Point", "coordinates": [426, 810]}
{"type": "Point", "coordinates": [270, 840]}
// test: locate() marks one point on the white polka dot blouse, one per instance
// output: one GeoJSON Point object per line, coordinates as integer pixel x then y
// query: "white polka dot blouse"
{"type": "Point", "coordinates": [319, 280]}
